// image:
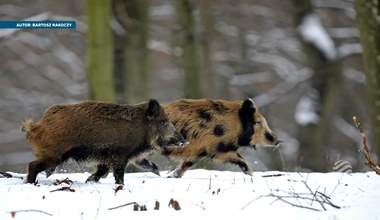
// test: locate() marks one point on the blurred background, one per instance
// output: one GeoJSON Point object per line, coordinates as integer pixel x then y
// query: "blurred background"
{"type": "Point", "coordinates": [300, 60]}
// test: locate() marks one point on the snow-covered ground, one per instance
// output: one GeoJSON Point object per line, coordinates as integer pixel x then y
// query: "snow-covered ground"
{"type": "Point", "coordinates": [200, 194]}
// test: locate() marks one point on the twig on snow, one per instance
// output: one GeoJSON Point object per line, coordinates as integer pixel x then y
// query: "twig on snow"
{"type": "Point", "coordinates": [300, 200]}
{"type": "Point", "coordinates": [13, 213]}
{"type": "Point", "coordinates": [188, 187]}
{"type": "Point", "coordinates": [273, 175]}
{"type": "Point", "coordinates": [281, 198]}
{"type": "Point", "coordinates": [209, 184]}
{"type": "Point", "coordinates": [5, 174]}
{"type": "Point", "coordinates": [367, 154]}
{"type": "Point", "coordinates": [66, 180]}
{"type": "Point", "coordinates": [121, 206]}
{"type": "Point", "coordinates": [65, 188]}
{"type": "Point", "coordinates": [8, 175]}
{"type": "Point", "coordinates": [340, 179]}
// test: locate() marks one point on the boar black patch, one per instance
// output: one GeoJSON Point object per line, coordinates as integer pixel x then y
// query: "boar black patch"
{"type": "Point", "coordinates": [83, 153]}
{"type": "Point", "coordinates": [226, 147]}
{"type": "Point", "coordinates": [219, 130]}
{"type": "Point", "coordinates": [78, 153]}
{"type": "Point", "coordinates": [184, 130]}
{"type": "Point", "coordinates": [269, 137]}
{"type": "Point", "coordinates": [247, 118]}
{"type": "Point", "coordinates": [245, 136]}
{"type": "Point", "coordinates": [243, 166]}
{"type": "Point", "coordinates": [204, 114]}
{"type": "Point", "coordinates": [166, 151]}
{"type": "Point", "coordinates": [187, 164]}
{"type": "Point", "coordinates": [202, 154]}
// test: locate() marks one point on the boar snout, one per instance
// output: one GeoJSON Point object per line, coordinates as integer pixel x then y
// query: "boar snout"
{"type": "Point", "coordinates": [177, 141]}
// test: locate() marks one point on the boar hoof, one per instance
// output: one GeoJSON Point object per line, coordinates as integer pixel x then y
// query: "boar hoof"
{"type": "Point", "coordinates": [248, 172]}
{"type": "Point", "coordinates": [92, 178]}
{"type": "Point", "coordinates": [174, 174]}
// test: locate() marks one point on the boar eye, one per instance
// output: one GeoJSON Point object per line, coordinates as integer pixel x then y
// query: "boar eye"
{"type": "Point", "coordinates": [258, 121]}
{"type": "Point", "coordinates": [165, 123]}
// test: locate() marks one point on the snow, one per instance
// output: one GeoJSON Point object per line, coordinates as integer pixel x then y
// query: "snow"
{"type": "Point", "coordinates": [312, 31]}
{"type": "Point", "coordinates": [200, 194]}
{"type": "Point", "coordinates": [306, 110]}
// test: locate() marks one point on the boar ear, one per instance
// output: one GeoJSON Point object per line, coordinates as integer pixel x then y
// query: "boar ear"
{"type": "Point", "coordinates": [153, 109]}
{"type": "Point", "coordinates": [247, 109]}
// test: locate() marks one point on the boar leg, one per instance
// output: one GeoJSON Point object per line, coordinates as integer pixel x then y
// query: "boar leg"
{"type": "Point", "coordinates": [235, 158]}
{"type": "Point", "coordinates": [118, 171]}
{"type": "Point", "coordinates": [102, 169]}
{"type": "Point", "coordinates": [49, 171]}
{"type": "Point", "coordinates": [34, 168]}
{"type": "Point", "coordinates": [178, 173]}
{"type": "Point", "coordinates": [148, 166]}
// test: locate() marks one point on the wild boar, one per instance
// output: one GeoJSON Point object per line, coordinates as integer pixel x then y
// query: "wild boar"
{"type": "Point", "coordinates": [216, 129]}
{"type": "Point", "coordinates": [110, 135]}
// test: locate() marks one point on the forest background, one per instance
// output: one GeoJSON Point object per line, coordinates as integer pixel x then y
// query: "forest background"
{"type": "Point", "coordinates": [305, 63]}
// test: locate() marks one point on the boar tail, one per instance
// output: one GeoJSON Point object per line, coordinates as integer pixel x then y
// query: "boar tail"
{"type": "Point", "coordinates": [27, 126]}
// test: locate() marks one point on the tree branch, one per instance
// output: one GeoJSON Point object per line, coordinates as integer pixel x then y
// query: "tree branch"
{"type": "Point", "coordinates": [367, 154]}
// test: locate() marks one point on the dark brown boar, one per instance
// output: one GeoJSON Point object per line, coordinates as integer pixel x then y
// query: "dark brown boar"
{"type": "Point", "coordinates": [109, 134]}
{"type": "Point", "coordinates": [216, 129]}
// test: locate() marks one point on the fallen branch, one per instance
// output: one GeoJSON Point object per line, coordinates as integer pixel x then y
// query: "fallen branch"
{"type": "Point", "coordinates": [66, 180]}
{"type": "Point", "coordinates": [121, 206]}
{"type": "Point", "coordinates": [5, 174]}
{"type": "Point", "coordinates": [304, 200]}
{"type": "Point", "coordinates": [13, 213]}
{"type": "Point", "coordinates": [367, 154]}
{"type": "Point", "coordinates": [293, 204]}
{"type": "Point", "coordinates": [65, 188]}
{"type": "Point", "coordinates": [8, 175]}
{"type": "Point", "coordinates": [273, 175]}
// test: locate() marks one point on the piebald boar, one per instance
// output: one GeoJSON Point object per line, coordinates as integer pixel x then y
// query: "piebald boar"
{"type": "Point", "coordinates": [109, 134]}
{"type": "Point", "coordinates": [215, 130]}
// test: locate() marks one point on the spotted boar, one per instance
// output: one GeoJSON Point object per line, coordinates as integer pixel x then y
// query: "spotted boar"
{"type": "Point", "coordinates": [109, 134]}
{"type": "Point", "coordinates": [215, 129]}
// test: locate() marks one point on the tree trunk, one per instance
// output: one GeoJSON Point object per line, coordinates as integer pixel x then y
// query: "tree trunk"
{"type": "Point", "coordinates": [189, 59]}
{"type": "Point", "coordinates": [368, 18]}
{"type": "Point", "coordinates": [314, 138]}
{"type": "Point", "coordinates": [133, 70]}
{"type": "Point", "coordinates": [99, 54]}
{"type": "Point", "coordinates": [208, 82]}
